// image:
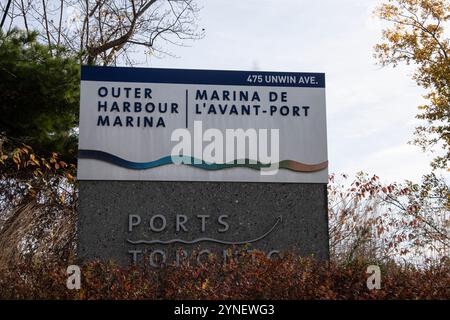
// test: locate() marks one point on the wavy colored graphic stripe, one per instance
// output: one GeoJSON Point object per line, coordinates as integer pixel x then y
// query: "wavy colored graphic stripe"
{"type": "Point", "coordinates": [110, 158]}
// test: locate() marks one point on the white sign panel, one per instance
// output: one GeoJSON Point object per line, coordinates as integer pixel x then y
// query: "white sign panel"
{"type": "Point", "coordinates": [202, 125]}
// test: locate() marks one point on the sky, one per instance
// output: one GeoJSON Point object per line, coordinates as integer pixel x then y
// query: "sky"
{"type": "Point", "coordinates": [370, 110]}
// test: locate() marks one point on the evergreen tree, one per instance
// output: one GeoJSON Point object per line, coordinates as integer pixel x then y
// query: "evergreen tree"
{"type": "Point", "coordinates": [39, 94]}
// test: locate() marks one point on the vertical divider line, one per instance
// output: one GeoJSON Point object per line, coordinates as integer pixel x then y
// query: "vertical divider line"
{"type": "Point", "coordinates": [186, 108]}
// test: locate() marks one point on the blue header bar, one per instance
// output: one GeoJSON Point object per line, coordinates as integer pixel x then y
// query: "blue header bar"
{"type": "Point", "coordinates": [207, 77]}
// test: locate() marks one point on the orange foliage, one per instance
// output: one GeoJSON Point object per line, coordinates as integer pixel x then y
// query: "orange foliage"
{"type": "Point", "coordinates": [253, 276]}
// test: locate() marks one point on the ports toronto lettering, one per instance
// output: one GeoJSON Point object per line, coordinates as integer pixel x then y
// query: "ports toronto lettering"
{"type": "Point", "coordinates": [150, 231]}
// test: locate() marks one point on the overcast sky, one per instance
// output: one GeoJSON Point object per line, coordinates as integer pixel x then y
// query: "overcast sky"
{"type": "Point", "coordinates": [370, 110]}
